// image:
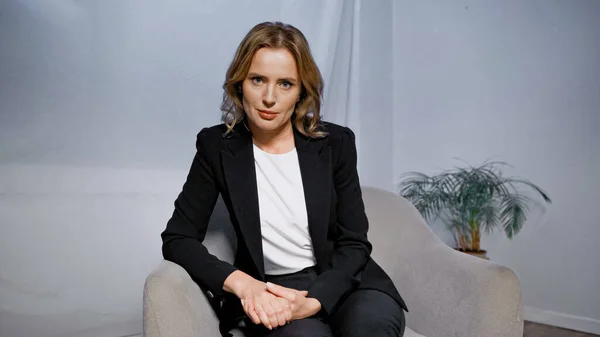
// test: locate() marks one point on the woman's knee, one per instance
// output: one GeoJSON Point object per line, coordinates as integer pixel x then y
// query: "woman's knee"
{"type": "Point", "coordinates": [384, 325]}
{"type": "Point", "coordinates": [369, 313]}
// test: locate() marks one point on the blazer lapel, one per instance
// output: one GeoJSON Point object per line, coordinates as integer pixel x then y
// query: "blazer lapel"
{"type": "Point", "coordinates": [315, 168]}
{"type": "Point", "coordinates": [240, 174]}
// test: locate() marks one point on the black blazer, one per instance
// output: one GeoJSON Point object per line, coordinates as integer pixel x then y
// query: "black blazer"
{"type": "Point", "coordinates": [224, 164]}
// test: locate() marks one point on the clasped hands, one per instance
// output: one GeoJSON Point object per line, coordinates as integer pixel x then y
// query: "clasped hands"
{"type": "Point", "coordinates": [274, 305]}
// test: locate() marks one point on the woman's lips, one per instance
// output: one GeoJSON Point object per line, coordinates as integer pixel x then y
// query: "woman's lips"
{"type": "Point", "coordinates": [268, 115]}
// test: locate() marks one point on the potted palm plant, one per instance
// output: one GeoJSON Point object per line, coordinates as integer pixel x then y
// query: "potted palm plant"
{"type": "Point", "coordinates": [471, 200]}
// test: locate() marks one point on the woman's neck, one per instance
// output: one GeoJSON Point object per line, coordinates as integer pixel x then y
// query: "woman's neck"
{"type": "Point", "coordinates": [276, 141]}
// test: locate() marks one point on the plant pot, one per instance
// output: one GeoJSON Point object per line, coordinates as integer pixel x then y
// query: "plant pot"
{"type": "Point", "coordinates": [482, 254]}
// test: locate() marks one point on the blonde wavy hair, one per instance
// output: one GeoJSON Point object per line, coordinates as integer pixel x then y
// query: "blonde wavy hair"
{"type": "Point", "coordinates": [306, 117]}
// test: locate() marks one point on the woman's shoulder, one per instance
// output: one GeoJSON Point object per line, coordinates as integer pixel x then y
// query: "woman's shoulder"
{"type": "Point", "coordinates": [211, 138]}
{"type": "Point", "coordinates": [216, 131]}
{"type": "Point", "coordinates": [337, 132]}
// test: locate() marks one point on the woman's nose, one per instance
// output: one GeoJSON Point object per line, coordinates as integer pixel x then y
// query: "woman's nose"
{"type": "Point", "coordinates": [269, 97]}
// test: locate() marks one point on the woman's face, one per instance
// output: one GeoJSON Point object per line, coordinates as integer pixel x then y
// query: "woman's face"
{"type": "Point", "coordinates": [271, 90]}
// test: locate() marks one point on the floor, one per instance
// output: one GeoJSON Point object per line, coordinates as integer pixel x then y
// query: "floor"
{"type": "Point", "coordinates": [531, 330]}
{"type": "Point", "coordinates": [540, 330]}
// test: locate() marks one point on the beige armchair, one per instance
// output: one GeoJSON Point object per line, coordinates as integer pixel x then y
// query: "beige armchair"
{"type": "Point", "coordinates": [448, 293]}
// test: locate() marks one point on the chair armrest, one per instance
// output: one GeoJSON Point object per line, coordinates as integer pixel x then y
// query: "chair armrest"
{"type": "Point", "coordinates": [175, 306]}
{"type": "Point", "coordinates": [455, 294]}
{"type": "Point", "coordinates": [448, 293]}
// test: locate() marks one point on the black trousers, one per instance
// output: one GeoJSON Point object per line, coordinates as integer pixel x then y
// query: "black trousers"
{"type": "Point", "coordinates": [364, 313]}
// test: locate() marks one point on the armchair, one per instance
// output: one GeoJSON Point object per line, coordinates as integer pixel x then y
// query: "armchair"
{"type": "Point", "coordinates": [448, 293]}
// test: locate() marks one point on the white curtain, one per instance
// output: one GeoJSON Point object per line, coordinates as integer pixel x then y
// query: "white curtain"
{"type": "Point", "coordinates": [100, 102]}
{"type": "Point", "coordinates": [128, 83]}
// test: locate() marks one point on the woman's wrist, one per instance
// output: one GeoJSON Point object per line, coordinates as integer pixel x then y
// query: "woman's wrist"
{"type": "Point", "coordinates": [234, 283]}
{"type": "Point", "coordinates": [237, 282]}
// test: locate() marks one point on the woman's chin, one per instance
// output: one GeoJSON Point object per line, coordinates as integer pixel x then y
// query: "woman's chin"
{"type": "Point", "coordinates": [268, 125]}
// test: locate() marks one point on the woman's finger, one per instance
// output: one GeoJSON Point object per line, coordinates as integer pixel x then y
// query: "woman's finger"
{"type": "Point", "coordinates": [280, 291]}
{"type": "Point", "coordinates": [279, 314]}
{"type": "Point", "coordinates": [251, 312]}
{"type": "Point", "coordinates": [262, 314]}
{"type": "Point", "coordinates": [245, 305]}
{"type": "Point", "coordinates": [287, 308]}
{"type": "Point", "coordinates": [270, 313]}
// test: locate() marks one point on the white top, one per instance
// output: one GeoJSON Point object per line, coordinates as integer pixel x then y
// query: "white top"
{"type": "Point", "coordinates": [287, 246]}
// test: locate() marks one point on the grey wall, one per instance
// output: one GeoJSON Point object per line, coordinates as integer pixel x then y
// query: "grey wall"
{"type": "Point", "coordinates": [519, 82]}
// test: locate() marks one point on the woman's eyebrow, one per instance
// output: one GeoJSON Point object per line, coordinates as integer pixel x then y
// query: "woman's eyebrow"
{"type": "Point", "coordinates": [289, 79]}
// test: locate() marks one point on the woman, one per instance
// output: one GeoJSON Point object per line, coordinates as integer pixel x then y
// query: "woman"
{"type": "Point", "coordinates": [291, 187]}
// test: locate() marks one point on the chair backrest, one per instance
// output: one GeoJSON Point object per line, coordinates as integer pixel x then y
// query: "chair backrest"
{"type": "Point", "coordinates": [220, 238]}
{"type": "Point", "coordinates": [396, 230]}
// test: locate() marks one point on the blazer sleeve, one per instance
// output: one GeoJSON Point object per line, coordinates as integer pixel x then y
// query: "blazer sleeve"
{"type": "Point", "coordinates": [352, 248]}
{"type": "Point", "coordinates": [186, 229]}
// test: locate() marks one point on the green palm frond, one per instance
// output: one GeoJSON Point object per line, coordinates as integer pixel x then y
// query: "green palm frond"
{"type": "Point", "coordinates": [471, 198]}
{"type": "Point", "coordinates": [425, 193]}
{"type": "Point", "coordinates": [513, 214]}
{"type": "Point", "coordinates": [533, 186]}
{"type": "Point", "coordinates": [488, 218]}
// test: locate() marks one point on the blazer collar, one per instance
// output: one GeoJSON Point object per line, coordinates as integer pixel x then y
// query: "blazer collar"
{"type": "Point", "coordinates": [241, 138]}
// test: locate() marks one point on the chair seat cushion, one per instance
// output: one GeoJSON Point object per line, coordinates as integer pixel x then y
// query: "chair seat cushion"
{"type": "Point", "coordinates": [409, 333]}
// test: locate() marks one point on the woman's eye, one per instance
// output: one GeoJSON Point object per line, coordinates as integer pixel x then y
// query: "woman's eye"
{"type": "Point", "coordinates": [286, 84]}
{"type": "Point", "coordinates": [257, 80]}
